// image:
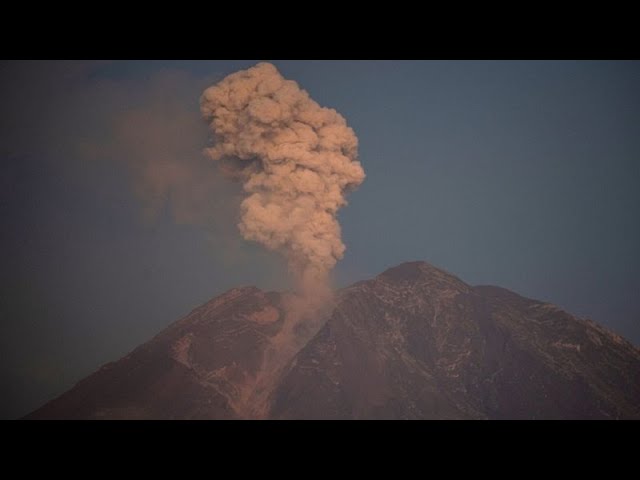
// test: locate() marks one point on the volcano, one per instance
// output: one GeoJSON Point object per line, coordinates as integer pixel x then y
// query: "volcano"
{"type": "Point", "coordinates": [415, 342]}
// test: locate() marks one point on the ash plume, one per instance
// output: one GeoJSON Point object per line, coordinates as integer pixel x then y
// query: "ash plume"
{"type": "Point", "coordinates": [296, 161]}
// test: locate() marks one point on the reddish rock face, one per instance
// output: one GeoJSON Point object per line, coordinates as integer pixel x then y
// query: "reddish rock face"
{"type": "Point", "coordinates": [413, 343]}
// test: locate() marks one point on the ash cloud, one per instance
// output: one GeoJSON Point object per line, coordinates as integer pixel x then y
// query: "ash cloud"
{"type": "Point", "coordinates": [295, 160]}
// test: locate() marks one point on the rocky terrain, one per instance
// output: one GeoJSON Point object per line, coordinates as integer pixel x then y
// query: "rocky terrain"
{"type": "Point", "coordinates": [413, 343]}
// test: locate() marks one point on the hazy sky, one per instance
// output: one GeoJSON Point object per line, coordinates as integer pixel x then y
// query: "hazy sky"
{"type": "Point", "coordinates": [518, 174]}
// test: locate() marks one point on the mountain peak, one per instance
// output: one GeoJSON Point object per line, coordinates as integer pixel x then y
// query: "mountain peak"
{"type": "Point", "coordinates": [411, 271]}
{"type": "Point", "coordinates": [422, 274]}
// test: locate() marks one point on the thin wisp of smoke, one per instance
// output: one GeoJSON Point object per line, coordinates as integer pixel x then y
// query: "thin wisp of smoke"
{"type": "Point", "coordinates": [296, 161]}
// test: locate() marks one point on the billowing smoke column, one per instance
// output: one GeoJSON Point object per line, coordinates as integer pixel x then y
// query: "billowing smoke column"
{"type": "Point", "coordinates": [296, 161]}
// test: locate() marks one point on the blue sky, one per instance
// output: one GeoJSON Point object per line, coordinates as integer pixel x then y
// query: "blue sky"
{"type": "Point", "coordinates": [518, 174]}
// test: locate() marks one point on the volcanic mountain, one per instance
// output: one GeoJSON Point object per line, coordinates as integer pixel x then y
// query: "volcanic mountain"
{"type": "Point", "coordinates": [413, 343]}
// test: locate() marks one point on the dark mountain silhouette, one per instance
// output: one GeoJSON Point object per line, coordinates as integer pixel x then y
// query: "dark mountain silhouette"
{"type": "Point", "coordinates": [413, 343]}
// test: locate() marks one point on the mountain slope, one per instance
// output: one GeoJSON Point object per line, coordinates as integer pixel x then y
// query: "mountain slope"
{"type": "Point", "coordinates": [418, 343]}
{"type": "Point", "coordinates": [193, 369]}
{"type": "Point", "coordinates": [414, 342]}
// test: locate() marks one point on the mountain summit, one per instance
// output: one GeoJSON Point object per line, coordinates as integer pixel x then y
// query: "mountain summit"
{"type": "Point", "coordinates": [415, 342]}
